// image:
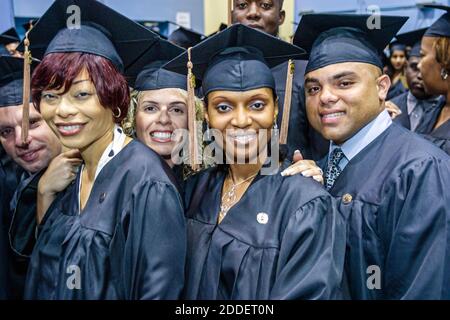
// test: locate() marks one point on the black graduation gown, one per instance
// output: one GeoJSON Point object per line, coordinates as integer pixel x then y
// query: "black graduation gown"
{"type": "Point", "coordinates": [428, 119]}
{"type": "Point", "coordinates": [398, 219]}
{"type": "Point", "coordinates": [297, 254]}
{"type": "Point", "coordinates": [3, 238]}
{"type": "Point", "coordinates": [402, 102]}
{"type": "Point", "coordinates": [128, 243]}
{"type": "Point", "coordinates": [9, 177]}
{"type": "Point", "coordinates": [22, 231]}
{"type": "Point", "coordinates": [301, 135]}
{"type": "Point", "coordinates": [441, 136]}
{"type": "Point", "coordinates": [396, 90]}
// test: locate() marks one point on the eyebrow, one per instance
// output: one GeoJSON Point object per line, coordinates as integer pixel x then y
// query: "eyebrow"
{"type": "Point", "coordinates": [311, 80]}
{"type": "Point", "coordinates": [343, 74]}
{"type": "Point", "coordinates": [79, 81]}
{"type": "Point", "coordinates": [157, 103]}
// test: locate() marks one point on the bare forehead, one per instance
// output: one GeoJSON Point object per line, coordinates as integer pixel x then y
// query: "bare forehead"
{"type": "Point", "coordinates": [14, 113]}
{"type": "Point", "coordinates": [278, 3]}
{"type": "Point", "coordinates": [164, 95]}
{"type": "Point", "coordinates": [345, 69]}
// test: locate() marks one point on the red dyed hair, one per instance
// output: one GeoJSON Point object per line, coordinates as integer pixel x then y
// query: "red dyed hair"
{"type": "Point", "coordinates": [59, 70]}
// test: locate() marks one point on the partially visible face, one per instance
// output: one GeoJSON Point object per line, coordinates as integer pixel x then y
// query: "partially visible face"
{"type": "Point", "coordinates": [77, 117]}
{"type": "Point", "coordinates": [12, 49]}
{"type": "Point", "coordinates": [241, 117]}
{"type": "Point", "coordinates": [398, 59]}
{"type": "Point", "coordinates": [342, 98]}
{"type": "Point", "coordinates": [414, 80]}
{"type": "Point", "coordinates": [41, 146]}
{"type": "Point", "coordinates": [430, 69]}
{"type": "Point", "coordinates": [265, 15]}
{"type": "Point", "coordinates": [159, 113]}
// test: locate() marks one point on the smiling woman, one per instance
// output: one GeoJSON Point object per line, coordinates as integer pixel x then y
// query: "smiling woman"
{"type": "Point", "coordinates": [118, 231]}
{"type": "Point", "coordinates": [79, 92]}
{"type": "Point", "coordinates": [252, 233]}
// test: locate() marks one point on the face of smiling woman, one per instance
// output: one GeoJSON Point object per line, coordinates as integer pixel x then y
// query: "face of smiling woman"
{"type": "Point", "coordinates": [240, 117]}
{"type": "Point", "coordinates": [77, 117]}
{"type": "Point", "coordinates": [159, 113]}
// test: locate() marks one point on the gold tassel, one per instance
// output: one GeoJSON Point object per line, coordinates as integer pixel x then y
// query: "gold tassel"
{"type": "Point", "coordinates": [284, 130]}
{"type": "Point", "coordinates": [27, 59]}
{"type": "Point", "coordinates": [193, 141]}
{"type": "Point", "coordinates": [230, 12]}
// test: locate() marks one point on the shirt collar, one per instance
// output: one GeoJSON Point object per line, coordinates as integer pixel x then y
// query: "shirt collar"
{"type": "Point", "coordinates": [425, 104]}
{"type": "Point", "coordinates": [363, 137]}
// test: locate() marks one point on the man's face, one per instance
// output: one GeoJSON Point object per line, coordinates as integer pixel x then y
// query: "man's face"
{"type": "Point", "coordinates": [415, 82]}
{"type": "Point", "coordinates": [265, 15]}
{"type": "Point", "coordinates": [41, 146]}
{"type": "Point", "coordinates": [342, 98]}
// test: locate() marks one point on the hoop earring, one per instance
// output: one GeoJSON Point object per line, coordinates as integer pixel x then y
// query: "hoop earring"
{"type": "Point", "coordinates": [444, 74]}
{"type": "Point", "coordinates": [119, 115]}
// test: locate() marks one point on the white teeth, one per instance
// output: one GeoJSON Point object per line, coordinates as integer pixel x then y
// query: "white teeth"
{"type": "Point", "coordinates": [334, 115]}
{"type": "Point", "coordinates": [70, 128]}
{"type": "Point", "coordinates": [161, 135]}
{"type": "Point", "coordinates": [244, 138]}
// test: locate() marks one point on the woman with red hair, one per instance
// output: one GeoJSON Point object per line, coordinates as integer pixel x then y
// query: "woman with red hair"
{"type": "Point", "coordinates": [114, 228]}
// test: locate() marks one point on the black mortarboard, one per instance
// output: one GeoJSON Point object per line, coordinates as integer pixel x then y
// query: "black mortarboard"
{"type": "Point", "coordinates": [185, 38]}
{"type": "Point", "coordinates": [151, 75]}
{"type": "Point", "coordinates": [396, 46]}
{"type": "Point", "coordinates": [413, 40]}
{"type": "Point", "coordinates": [156, 27]}
{"type": "Point", "coordinates": [337, 38]}
{"type": "Point", "coordinates": [441, 27]}
{"type": "Point", "coordinates": [9, 36]}
{"type": "Point", "coordinates": [236, 59]}
{"type": "Point", "coordinates": [27, 25]}
{"type": "Point", "coordinates": [101, 31]}
{"type": "Point", "coordinates": [222, 27]}
{"type": "Point", "coordinates": [11, 81]}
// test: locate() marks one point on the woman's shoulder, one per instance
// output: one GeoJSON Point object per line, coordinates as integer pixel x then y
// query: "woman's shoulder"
{"type": "Point", "coordinates": [137, 162]}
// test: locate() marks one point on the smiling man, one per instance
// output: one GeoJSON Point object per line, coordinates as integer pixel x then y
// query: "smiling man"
{"type": "Point", "coordinates": [392, 184]}
{"type": "Point", "coordinates": [32, 156]}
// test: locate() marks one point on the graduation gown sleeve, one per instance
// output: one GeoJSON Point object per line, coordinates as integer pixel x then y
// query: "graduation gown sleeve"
{"type": "Point", "coordinates": [441, 137]}
{"type": "Point", "coordinates": [417, 262]}
{"type": "Point", "coordinates": [156, 247]}
{"type": "Point", "coordinates": [3, 238]}
{"type": "Point", "coordinates": [311, 256]}
{"type": "Point", "coordinates": [402, 119]}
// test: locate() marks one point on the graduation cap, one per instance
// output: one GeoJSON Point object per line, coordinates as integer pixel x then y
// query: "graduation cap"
{"type": "Point", "coordinates": [441, 27]}
{"type": "Point", "coordinates": [222, 27]}
{"type": "Point", "coordinates": [9, 36]}
{"type": "Point", "coordinates": [27, 25]}
{"type": "Point", "coordinates": [185, 38]}
{"type": "Point", "coordinates": [396, 46]}
{"type": "Point", "coordinates": [151, 75]}
{"type": "Point", "coordinates": [11, 81]}
{"type": "Point", "coordinates": [101, 31]}
{"type": "Point", "coordinates": [413, 40]}
{"type": "Point", "coordinates": [236, 59]}
{"type": "Point", "coordinates": [336, 38]}
{"type": "Point", "coordinates": [154, 26]}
